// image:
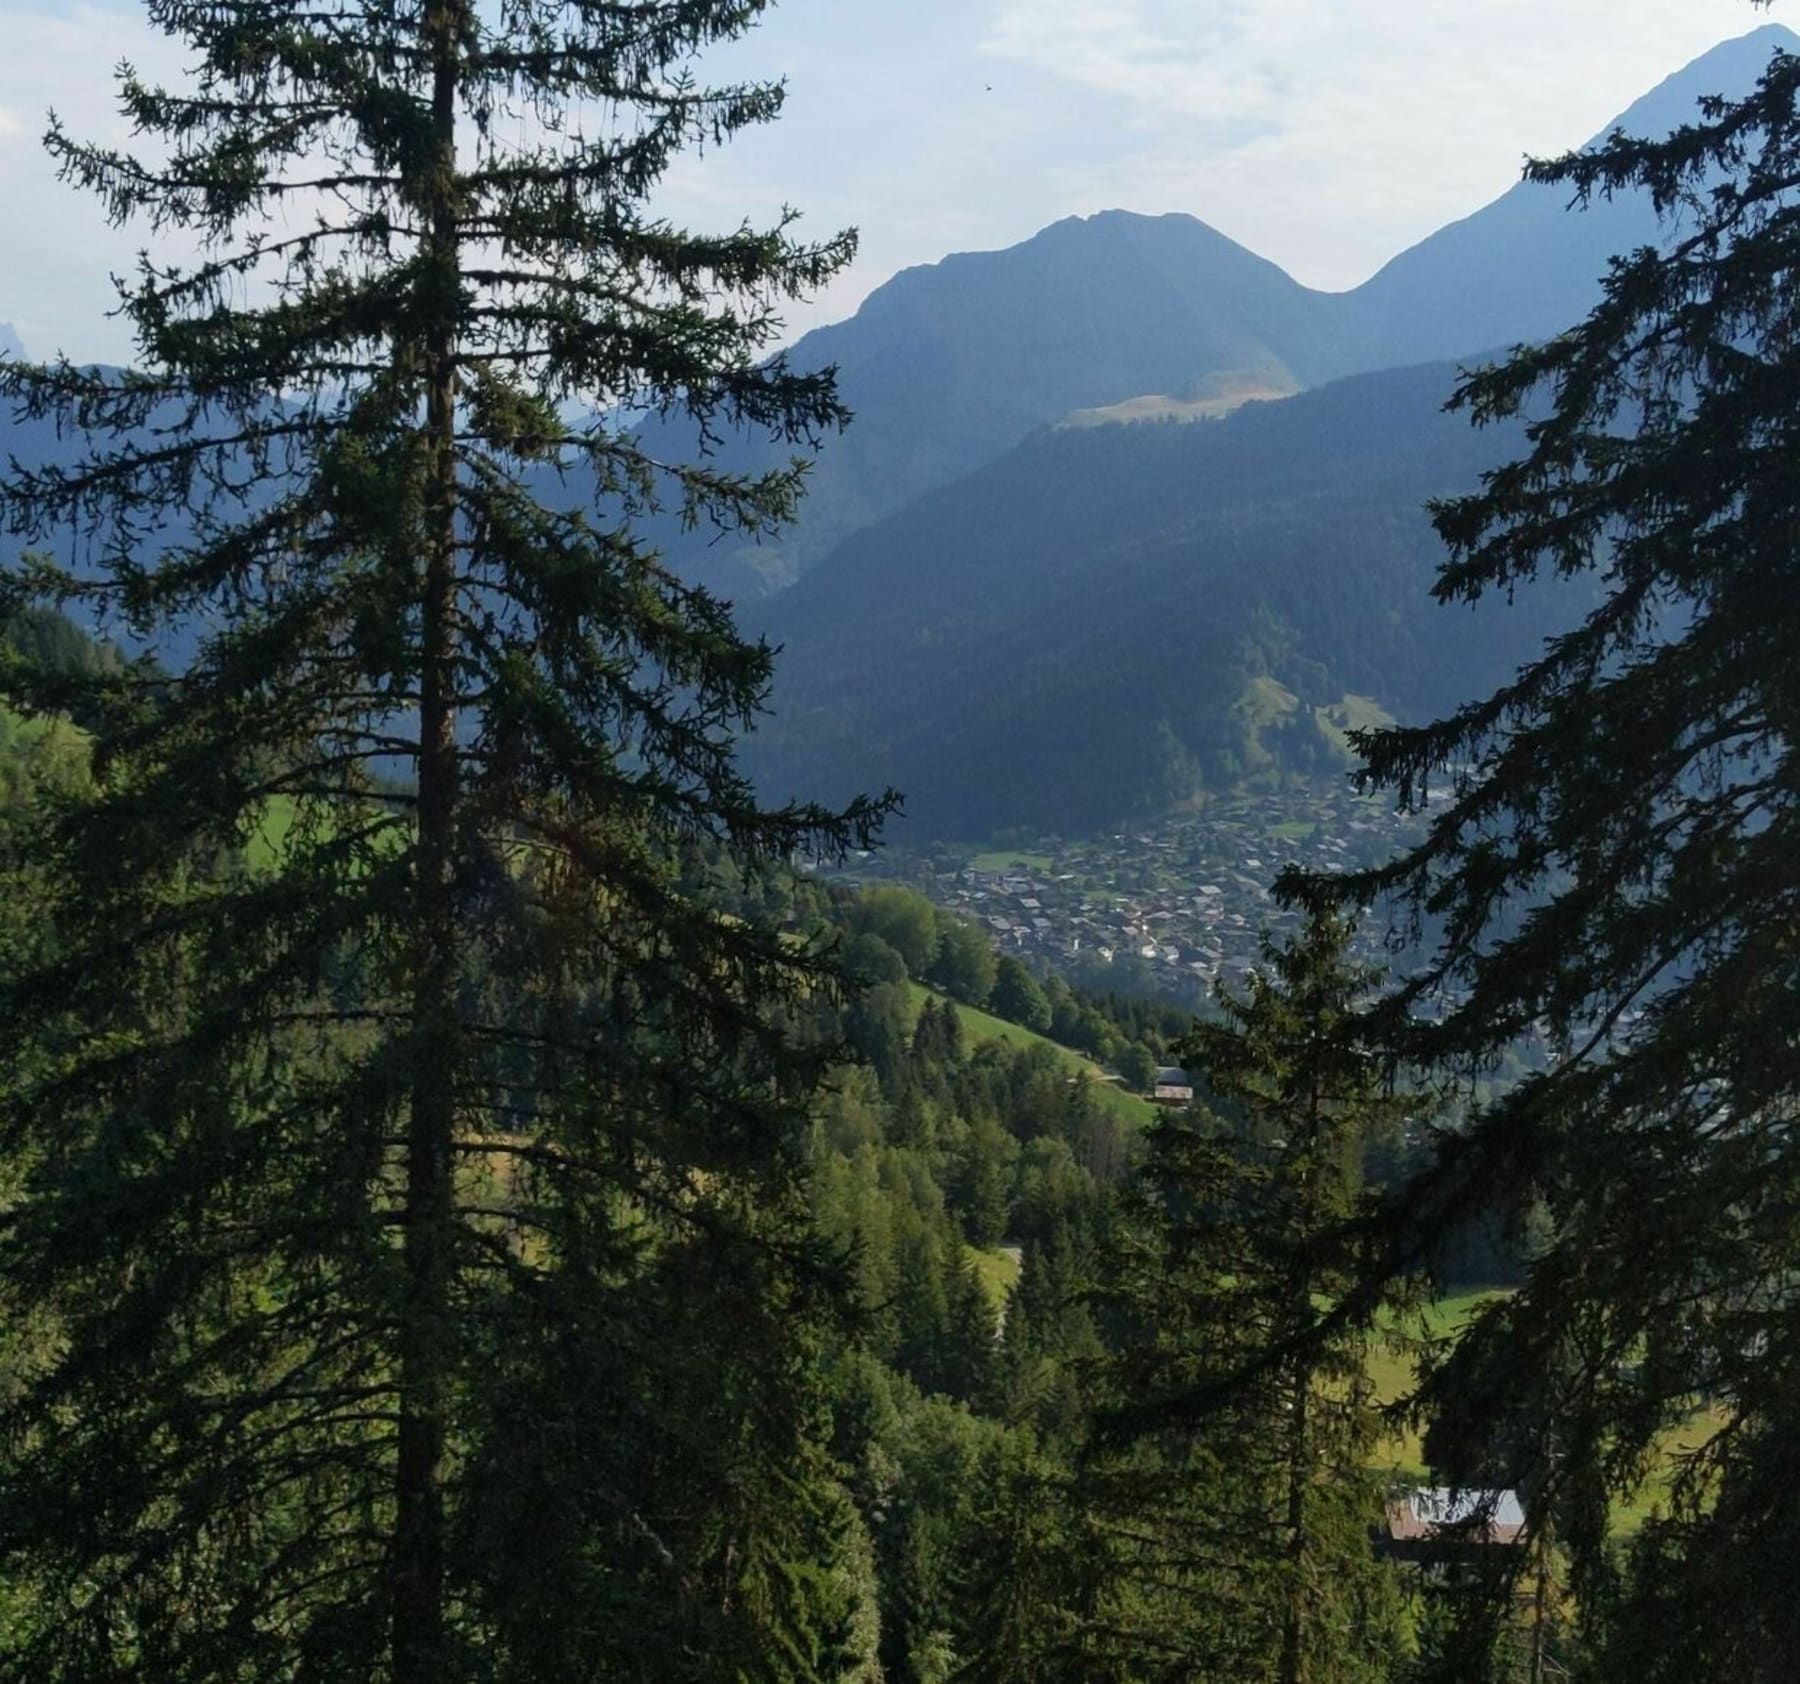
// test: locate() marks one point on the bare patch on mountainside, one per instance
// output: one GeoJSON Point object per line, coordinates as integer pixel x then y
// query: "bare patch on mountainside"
{"type": "Point", "coordinates": [1209, 400]}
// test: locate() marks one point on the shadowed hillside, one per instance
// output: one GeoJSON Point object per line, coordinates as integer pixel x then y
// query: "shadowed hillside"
{"type": "Point", "coordinates": [1107, 619]}
{"type": "Point", "coordinates": [950, 364]}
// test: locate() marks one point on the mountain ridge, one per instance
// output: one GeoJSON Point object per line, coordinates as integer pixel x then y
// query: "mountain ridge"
{"type": "Point", "coordinates": [948, 365]}
{"type": "Point", "coordinates": [1090, 627]}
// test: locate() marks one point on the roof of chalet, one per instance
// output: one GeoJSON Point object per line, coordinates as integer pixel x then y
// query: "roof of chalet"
{"type": "Point", "coordinates": [1440, 1510]}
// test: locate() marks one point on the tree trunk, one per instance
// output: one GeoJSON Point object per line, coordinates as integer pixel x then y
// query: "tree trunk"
{"type": "Point", "coordinates": [1542, 1545]}
{"type": "Point", "coordinates": [426, 1334]}
{"type": "Point", "coordinates": [1298, 1469]}
{"type": "Point", "coordinates": [1293, 1611]}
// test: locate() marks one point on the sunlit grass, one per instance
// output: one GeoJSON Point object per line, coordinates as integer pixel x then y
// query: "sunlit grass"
{"type": "Point", "coordinates": [999, 1270]}
{"type": "Point", "coordinates": [981, 1026]}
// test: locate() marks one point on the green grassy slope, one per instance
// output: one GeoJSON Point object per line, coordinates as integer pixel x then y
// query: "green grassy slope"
{"type": "Point", "coordinates": [982, 1026]}
{"type": "Point", "coordinates": [1394, 1372]}
{"type": "Point", "coordinates": [999, 1270]}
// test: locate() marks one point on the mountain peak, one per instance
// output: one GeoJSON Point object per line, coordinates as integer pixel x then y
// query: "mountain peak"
{"type": "Point", "coordinates": [1096, 234]}
{"type": "Point", "coordinates": [1731, 68]}
{"type": "Point", "coordinates": [1118, 314]}
{"type": "Point", "coordinates": [1529, 265]}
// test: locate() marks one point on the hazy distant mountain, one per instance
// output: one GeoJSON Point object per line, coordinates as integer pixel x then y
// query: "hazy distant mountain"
{"type": "Point", "coordinates": [949, 365]}
{"type": "Point", "coordinates": [10, 345]}
{"type": "Point", "coordinates": [1105, 619]}
{"type": "Point", "coordinates": [946, 366]}
{"type": "Point", "coordinates": [1526, 266]}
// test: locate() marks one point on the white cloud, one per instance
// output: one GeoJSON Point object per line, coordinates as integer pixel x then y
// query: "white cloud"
{"type": "Point", "coordinates": [61, 252]}
{"type": "Point", "coordinates": [1329, 133]}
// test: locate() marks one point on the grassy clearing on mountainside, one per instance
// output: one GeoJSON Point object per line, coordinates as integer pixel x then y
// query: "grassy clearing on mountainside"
{"type": "Point", "coordinates": [269, 840]}
{"type": "Point", "coordinates": [1265, 702]}
{"type": "Point", "coordinates": [1210, 398]}
{"type": "Point", "coordinates": [1394, 1374]}
{"type": "Point", "coordinates": [1351, 713]}
{"type": "Point", "coordinates": [1673, 1447]}
{"type": "Point", "coordinates": [999, 1270]}
{"type": "Point", "coordinates": [983, 1026]}
{"type": "Point", "coordinates": [1157, 406]}
{"type": "Point", "coordinates": [1394, 1370]}
{"type": "Point", "coordinates": [1006, 859]}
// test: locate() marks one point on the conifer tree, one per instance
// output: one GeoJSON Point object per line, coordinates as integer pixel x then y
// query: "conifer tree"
{"type": "Point", "coordinates": [1021, 1581]}
{"type": "Point", "coordinates": [1230, 1478]}
{"type": "Point", "coordinates": [1613, 859]}
{"type": "Point", "coordinates": [411, 1152]}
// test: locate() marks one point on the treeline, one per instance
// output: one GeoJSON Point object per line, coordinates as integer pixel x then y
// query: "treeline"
{"type": "Point", "coordinates": [1080, 1342]}
{"type": "Point", "coordinates": [983, 1220]}
{"type": "Point", "coordinates": [1153, 1451]}
{"type": "Point", "coordinates": [896, 934]}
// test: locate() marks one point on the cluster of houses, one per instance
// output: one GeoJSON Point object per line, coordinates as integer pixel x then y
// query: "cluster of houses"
{"type": "Point", "coordinates": [1208, 931]}
{"type": "Point", "coordinates": [1187, 898]}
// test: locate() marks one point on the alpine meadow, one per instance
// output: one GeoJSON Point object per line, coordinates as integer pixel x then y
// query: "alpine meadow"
{"type": "Point", "coordinates": [733, 953]}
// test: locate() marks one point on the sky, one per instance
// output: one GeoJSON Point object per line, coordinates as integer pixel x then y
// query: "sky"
{"type": "Point", "coordinates": [1326, 135]}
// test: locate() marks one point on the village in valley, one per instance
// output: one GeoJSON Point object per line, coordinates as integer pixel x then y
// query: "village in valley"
{"type": "Point", "coordinates": [1169, 907]}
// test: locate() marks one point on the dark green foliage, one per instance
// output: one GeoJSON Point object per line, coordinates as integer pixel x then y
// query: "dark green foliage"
{"type": "Point", "coordinates": [1137, 1064]}
{"type": "Point", "coordinates": [939, 1421]}
{"type": "Point", "coordinates": [53, 644]}
{"type": "Point", "coordinates": [1704, 1594]}
{"type": "Point", "coordinates": [919, 1157]}
{"type": "Point", "coordinates": [1020, 1578]}
{"type": "Point", "coordinates": [964, 967]}
{"type": "Point", "coordinates": [414, 1202]}
{"type": "Point", "coordinates": [904, 919]}
{"type": "Point", "coordinates": [980, 1175]}
{"type": "Point", "coordinates": [1229, 1481]}
{"type": "Point", "coordinates": [938, 1036]}
{"type": "Point", "coordinates": [1614, 856]}
{"type": "Point", "coordinates": [945, 1320]}
{"type": "Point", "coordinates": [1018, 998]}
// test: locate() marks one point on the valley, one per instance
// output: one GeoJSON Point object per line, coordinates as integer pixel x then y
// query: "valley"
{"type": "Point", "coordinates": [649, 1029]}
{"type": "Point", "coordinates": [1169, 908]}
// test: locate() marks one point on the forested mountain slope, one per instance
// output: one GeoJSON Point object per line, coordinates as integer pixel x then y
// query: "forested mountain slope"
{"type": "Point", "coordinates": [1106, 619]}
{"type": "Point", "coordinates": [950, 364]}
{"type": "Point", "coordinates": [1526, 267]}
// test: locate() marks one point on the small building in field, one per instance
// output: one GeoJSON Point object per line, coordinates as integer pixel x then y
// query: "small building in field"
{"type": "Point", "coordinates": [1440, 1524]}
{"type": "Point", "coordinates": [1174, 1087]}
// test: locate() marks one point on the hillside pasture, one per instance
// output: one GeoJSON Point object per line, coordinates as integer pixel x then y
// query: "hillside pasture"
{"type": "Point", "coordinates": [979, 1026]}
{"type": "Point", "coordinates": [1010, 859]}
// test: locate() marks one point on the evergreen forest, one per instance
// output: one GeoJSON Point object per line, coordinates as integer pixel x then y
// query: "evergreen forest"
{"type": "Point", "coordinates": [492, 1193]}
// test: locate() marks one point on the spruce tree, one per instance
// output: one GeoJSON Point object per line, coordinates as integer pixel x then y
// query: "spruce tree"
{"type": "Point", "coordinates": [1612, 861]}
{"type": "Point", "coordinates": [410, 1148]}
{"type": "Point", "coordinates": [1230, 1481]}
